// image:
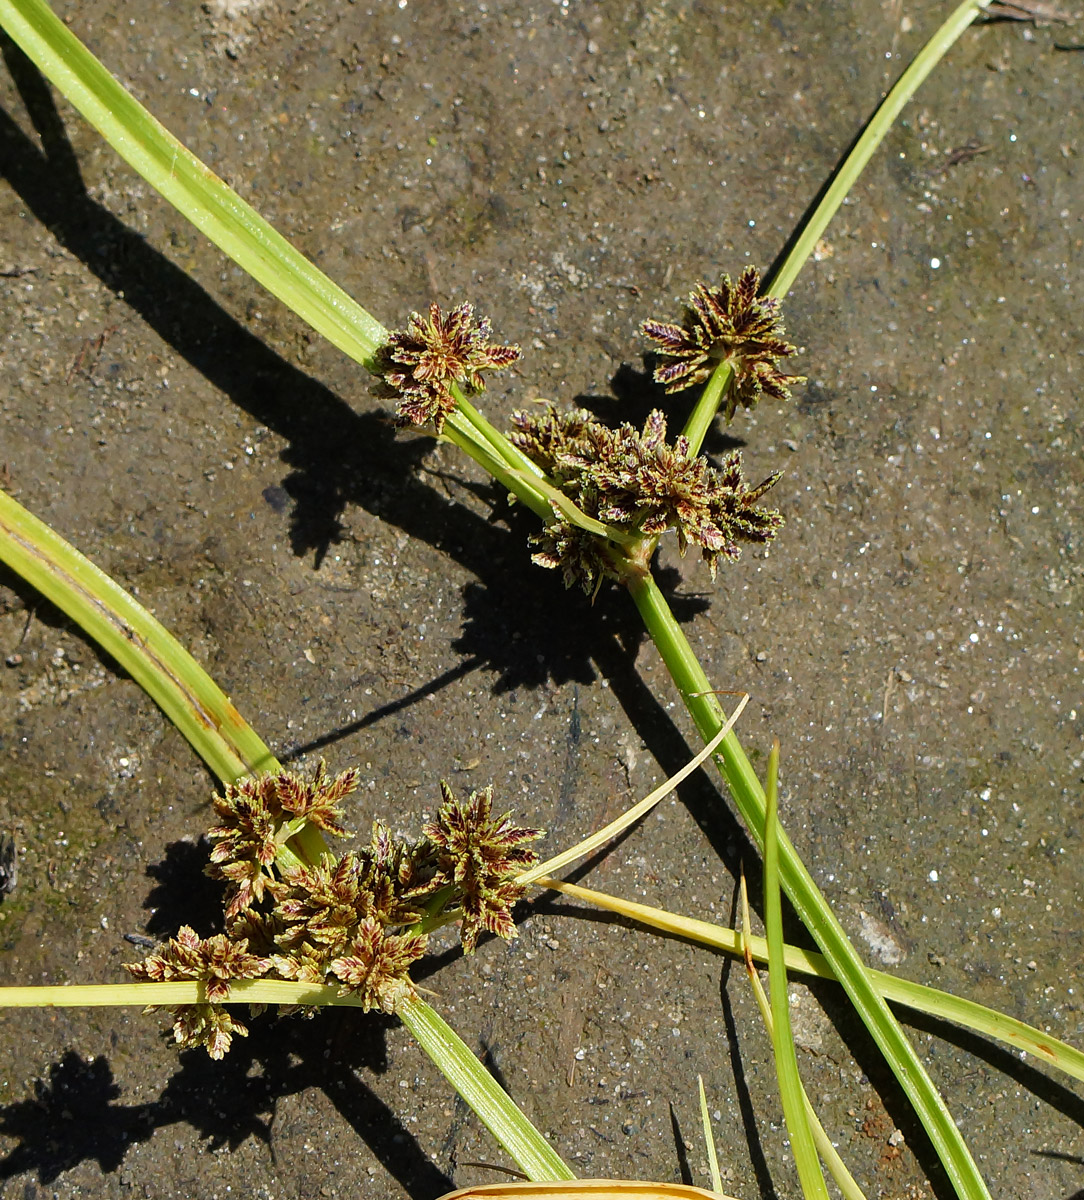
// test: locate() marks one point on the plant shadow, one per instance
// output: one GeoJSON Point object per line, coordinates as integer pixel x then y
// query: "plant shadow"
{"type": "Point", "coordinates": [75, 1115]}
{"type": "Point", "coordinates": [183, 892]}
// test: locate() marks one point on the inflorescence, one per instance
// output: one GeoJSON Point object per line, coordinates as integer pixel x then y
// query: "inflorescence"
{"type": "Point", "coordinates": [630, 480]}
{"type": "Point", "coordinates": [356, 920]}
{"type": "Point", "coordinates": [420, 363]}
{"type": "Point", "coordinates": [636, 482]}
{"type": "Point", "coordinates": [726, 324]}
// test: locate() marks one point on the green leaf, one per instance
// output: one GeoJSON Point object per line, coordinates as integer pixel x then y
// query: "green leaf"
{"type": "Point", "coordinates": [144, 648]}
{"type": "Point", "coordinates": [153, 657]}
{"type": "Point", "coordinates": [786, 1060]}
{"type": "Point", "coordinates": [496, 1109]}
{"type": "Point", "coordinates": [709, 1138]}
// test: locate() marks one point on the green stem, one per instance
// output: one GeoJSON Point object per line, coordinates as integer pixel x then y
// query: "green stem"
{"type": "Point", "coordinates": [696, 428]}
{"type": "Point", "coordinates": [880, 123]}
{"type": "Point", "coordinates": [707, 405]}
{"type": "Point", "coordinates": [800, 887]}
{"type": "Point", "coordinates": [498, 443]}
{"type": "Point", "coordinates": [463, 434]}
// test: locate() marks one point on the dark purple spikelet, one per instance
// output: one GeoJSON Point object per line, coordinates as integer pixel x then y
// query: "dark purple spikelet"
{"type": "Point", "coordinates": [729, 323]}
{"type": "Point", "coordinates": [421, 363]}
{"type": "Point", "coordinates": [735, 515]}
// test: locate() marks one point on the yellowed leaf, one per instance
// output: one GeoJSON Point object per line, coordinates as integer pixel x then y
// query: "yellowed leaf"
{"type": "Point", "coordinates": [586, 1189]}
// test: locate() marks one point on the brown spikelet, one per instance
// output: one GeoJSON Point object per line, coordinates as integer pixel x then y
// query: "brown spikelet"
{"type": "Point", "coordinates": [421, 362]}
{"type": "Point", "coordinates": [634, 479]}
{"type": "Point", "coordinates": [729, 323]}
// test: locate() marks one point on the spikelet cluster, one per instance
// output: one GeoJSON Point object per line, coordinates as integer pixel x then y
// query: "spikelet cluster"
{"type": "Point", "coordinates": [730, 323]}
{"type": "Point", "coordinates": [350, 920]}
{"type": "Point", "coordinates": [635, 481]}
{"type": "Point", "coordinates": [420, 363]}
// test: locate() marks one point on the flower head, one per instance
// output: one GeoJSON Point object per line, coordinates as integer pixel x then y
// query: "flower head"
{"type": "Point", "coordinates": [421, 363]}
{"type": "Point", "coordinates": [376, 965]}
{"type": "Point", "coordinates": [317, 799]}
{"type": "Point", "coordinates": [245, 841]}
{"type": "Point", "coordinates": [209, 1025]}
{"type": "Point", "coordinates": [481, 855]}
{"type": "Point", "coordinates": [399, 877]}
{"type": "Point", "coordinates": [319, 906]}
{"type": "Point", "coordinates": [357, 920]}
{"type": "Point", "coordinates": [733, 515]}
{"type": "Point", "coordinates": [302, 964]}
{"type": "Point", "coordinates": [732, 324]}
{"type": "Point", "coordinates": [254, 813]}
{"type": "Point", "coordinates": [635, 480]}
{"type": "Point", "coordinates": [214, 961]}
{"type": "Point", "coordinates": [576, 552]}
{"type": "Point", "coordinates": [260, 930]}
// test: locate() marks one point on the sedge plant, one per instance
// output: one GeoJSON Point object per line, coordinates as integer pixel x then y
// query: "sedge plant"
{"type": "Point", "coordinates": [604, 497]}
